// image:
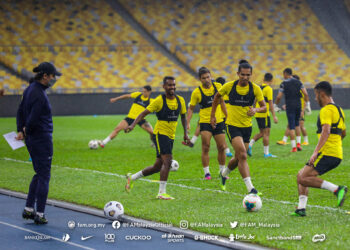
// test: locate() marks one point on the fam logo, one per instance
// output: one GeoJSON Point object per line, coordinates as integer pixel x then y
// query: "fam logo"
{"type": "Point", "coordinates": [319, 238]}
{"type": "Point", "coordinates": [71, 224]}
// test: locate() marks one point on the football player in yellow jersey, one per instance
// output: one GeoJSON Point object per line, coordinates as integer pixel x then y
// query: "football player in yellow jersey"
{"type": "Point", "coordinates": [168, 108]}
{"type": "Point", "coordinates": [263, 119]}
{"type": "Point", "coordinates": [204, 95]}
{"type": "Point", "coordinates": [194, 138]}
{"type": "Point", "coordinates": [242, 94]}
{"type": "Point", "coordinates": [328, 153]}
{"type": "Point", "coordinates": [141, 101]}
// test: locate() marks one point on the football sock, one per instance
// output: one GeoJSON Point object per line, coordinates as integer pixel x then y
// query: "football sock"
{"type": "Point", "coordinates": [105, 141]}
{"type": "Point", "coordinates": [298, 139]}
{"type": "Point", "coordinates": [194, 139]}
{"type": "Point", "coordinates": [306, 139]}
{"type": "Point", "coordinates": [226, 172]}
{"type": "Point", "coordinates": [40, 214]}
{"type": "Point", "coordinates": [162, 187]}
{"type": "Point", "coordinates": [266, 150]}
{"type": "Point", "coordinates": [285, 138]}
{"type": "Point", "coordinates": [292, 142]}
{"type": "Point", "coordinates": [302, 201]}
{"type": "Point", "coordinates": [251, 143]}
{"type": "Point", "coordinates": [329, 186]}
{"type": "Point", "coordinates": [222, 167]}
{"type": "Point", "coordinates": [248, 183]}
{"type": "Point", "coordinates": [29, 209]}
{"type": "Point", "coordinates": [206, 170]}
{"type": "Point", "coordinates": [136, 176]}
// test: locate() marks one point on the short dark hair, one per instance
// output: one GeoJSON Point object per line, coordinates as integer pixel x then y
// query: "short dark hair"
{"type": "Point", "coordinates": [296, 77]}
{"type": "Point", "coordinates": [288, 71]}
{"type": "Point", "coordinates": [202, 71]}
{"type": "Point", "coordinates": [268, 77]}
{"type": "Point", "coordinates": [243, 61]}
{"type": "Point", "coordinates": [147, 87]}
{"type": "Point", "coordinates": [220, 80]}
{"type": "Point", "coordinates": [325, 87]}
{"type": "Point", "coordinates": [245, 65]}
{"type": "Point", "coordinates": [166, 78]}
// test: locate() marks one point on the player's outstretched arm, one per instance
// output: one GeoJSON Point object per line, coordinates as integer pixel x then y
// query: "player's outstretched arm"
{"type": "Point", "coordinates": [184, 125]}
{"type": "Point", "coordinates": [137, 120]}
{"type": "Point", "coordinates": [126, 96]}
{"type": "Point", "coordinates": [278, 98]}
{"type": "Point", "coordinates": [217, 100]}
{"type": "Point", "coordinates": [307, 107]}
{"type": "Point", "coordinates": [343, 134]}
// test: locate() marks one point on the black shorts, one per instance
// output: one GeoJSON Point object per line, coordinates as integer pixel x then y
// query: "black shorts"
{"type": "Point", "coordinates": [263, 122]}
{"type": "Point", "coordinates": [164, 145]}
{"type": "Point", "coordinates": [293, 116]}
{"type": "Point", "coordinates": [325, 163]}
{"type": "Point", "coordinates": [220, 128]}
{"type": "Point", "coordinates": [129, 121]}
{"type": "Point", "coordinates": [233, 131]}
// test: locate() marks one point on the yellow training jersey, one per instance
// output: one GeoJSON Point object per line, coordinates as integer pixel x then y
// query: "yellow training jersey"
{"type": "Point", "coordinates": [329, 114]}
{"type": "Point", "coordinates": [302, 101]}
{"type": "Point", "coordinates": [268, 96]}
{"type": "Point", "coordinates": [139, 105]}
{"type": "Point", "coordinates": [205, 112]}
{"type": "Point", "coordinates": [237, 114]}
{"type": "Point", "coordinates": [165, 127]}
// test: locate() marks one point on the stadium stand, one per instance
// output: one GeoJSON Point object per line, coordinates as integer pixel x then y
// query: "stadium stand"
{"type": "Point", "coordinates": [92, 46]}
{"type": "Point", "coordinates": [347, 3]}
{"type": "Point", "coordinates": [272, 35]}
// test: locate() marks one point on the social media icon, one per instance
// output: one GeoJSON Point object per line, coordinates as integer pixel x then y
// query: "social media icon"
{"type": "Point", "coordinates": [183, 224]}
{"type": "Point", "coordinates": [232, 237]}
{"type": "Point", "coordinates": [116, 224]}
{"type": "Point", "coordinates": [110, 238]}
{"type": "Point", "coordinates": [234, 224]}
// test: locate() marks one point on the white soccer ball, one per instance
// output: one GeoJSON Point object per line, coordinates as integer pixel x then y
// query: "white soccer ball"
{"type": "Point", "coordinates": [113, 210]}
{"type": "Point", "coordinates": [174, 165]}
{"type": "Point", "coordinates": [252, 203]}
{"type": "Point", "coordinates": [93, 144]}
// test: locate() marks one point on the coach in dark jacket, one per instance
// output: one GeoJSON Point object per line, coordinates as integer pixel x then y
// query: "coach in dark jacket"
{"type": "Point", "coordinates": [34, 124]}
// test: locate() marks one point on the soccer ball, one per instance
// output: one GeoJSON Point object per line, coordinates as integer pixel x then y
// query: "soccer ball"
{"type": "Point", "coordinates": [93, 144]}
{"type": "Point", "coordinates": [113, 210]}
{"type": "Point", "coordinates": [252, 203]}
{"type": "Point", "coordinates": [174, 166]}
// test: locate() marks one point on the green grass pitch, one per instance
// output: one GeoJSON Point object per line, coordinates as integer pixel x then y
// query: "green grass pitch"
{"type": "Point", "coordinates": [197, 200]}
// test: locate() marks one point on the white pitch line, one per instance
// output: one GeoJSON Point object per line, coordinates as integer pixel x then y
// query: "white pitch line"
{"type": "Point", "coordinates": [180, 185]}
{"type": "Point", "coordinates": [48, 236]}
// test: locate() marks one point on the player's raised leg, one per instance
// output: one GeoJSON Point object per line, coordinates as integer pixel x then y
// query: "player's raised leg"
{"type": "Point", "coordinates": [121, 126]}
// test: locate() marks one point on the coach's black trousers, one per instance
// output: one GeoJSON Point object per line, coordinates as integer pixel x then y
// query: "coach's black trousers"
{"type": "Point", "coordinates": [40, 149]}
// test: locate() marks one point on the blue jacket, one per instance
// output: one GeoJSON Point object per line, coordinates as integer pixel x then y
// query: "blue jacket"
{"type": "Point", "coordinates": [34, 112]}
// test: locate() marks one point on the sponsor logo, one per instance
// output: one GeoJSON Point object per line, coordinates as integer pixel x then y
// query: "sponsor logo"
{"type": "Point", "coordinates": [138, 237]}
{"type": "Point", "coordinates": [86, 238]}
{"type": "Point", "coordinates": [319, 238]}
{"type": "Point", "coordinates": [66, 237]}
{"type": "Point", "coordinates": [71, 224]}
{"type": "Point", "coordinates": [110, 238]}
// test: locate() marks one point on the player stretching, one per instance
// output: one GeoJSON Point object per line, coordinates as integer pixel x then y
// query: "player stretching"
{"type": "Point", "coordinates": [263, 119]}
{"type": "Point", "coordinates": [168, 107]}
{"type": "Point", "coordinates": [328, 152]}
{"type": "Point", "coordinates": [242, 94]}
{"type": "Point", "coordinates": [142, 100]}
{"type": "Point", "coordinates": [204, 95]}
